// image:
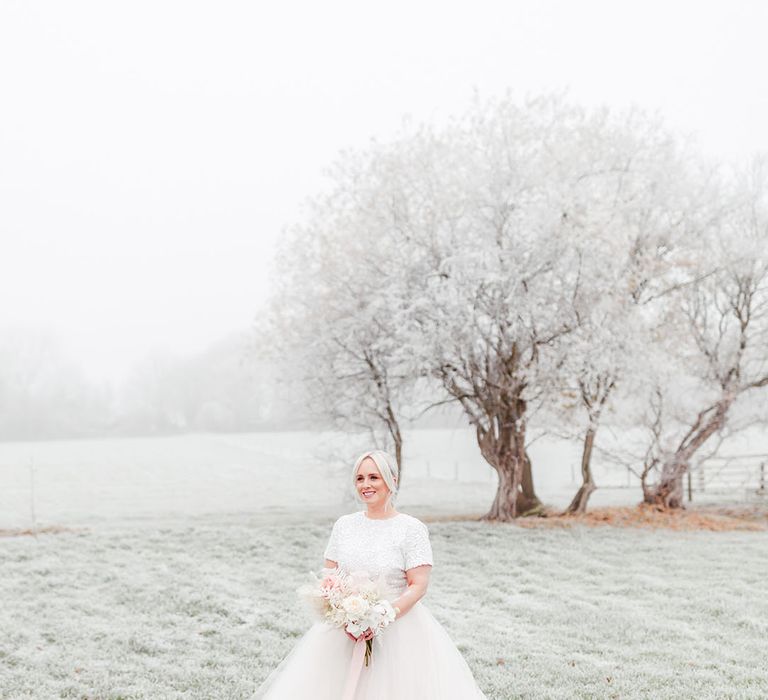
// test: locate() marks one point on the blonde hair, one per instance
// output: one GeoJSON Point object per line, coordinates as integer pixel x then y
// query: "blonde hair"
{"type": "Point", "coordinates": [387, 467]}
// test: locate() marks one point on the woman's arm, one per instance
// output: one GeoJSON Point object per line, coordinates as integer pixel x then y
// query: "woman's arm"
{"type": "Point", "coordinates": [418, 582]}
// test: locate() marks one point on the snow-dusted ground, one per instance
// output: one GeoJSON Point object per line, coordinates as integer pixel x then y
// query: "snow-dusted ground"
{"type": "Point", "coordinates": [178, 578]}
{"type": "Point", "coordinates": [271, 474]}
{"type": "Point", "coordinates": [206, 609]}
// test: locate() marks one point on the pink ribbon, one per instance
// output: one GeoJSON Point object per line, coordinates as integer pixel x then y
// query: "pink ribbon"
{"type": "Point", "coordinates": [355, 668]}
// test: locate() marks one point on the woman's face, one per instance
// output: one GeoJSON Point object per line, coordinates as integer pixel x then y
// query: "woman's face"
{"type": "Point", "coordinates": [369, 484]}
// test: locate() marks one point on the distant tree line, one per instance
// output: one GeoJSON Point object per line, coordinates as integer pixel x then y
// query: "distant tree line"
{"type": "Point", "coordinates": [539, 266]}
{"type": "Point", "coordinates": [42, 392]}
{"type": "Point", "coordinates": [45, 395]}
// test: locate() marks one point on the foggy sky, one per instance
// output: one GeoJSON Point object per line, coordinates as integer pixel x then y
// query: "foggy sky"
{"type": "Point", "coordinates": [151, 152]}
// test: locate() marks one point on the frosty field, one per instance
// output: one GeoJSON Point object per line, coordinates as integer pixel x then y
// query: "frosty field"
{"type": "Point", "coordinates": [174, 569]}
{"type": "Point", "coordinates": [205, 610]}
{"type": "Point", "coordinates": [84, 482]}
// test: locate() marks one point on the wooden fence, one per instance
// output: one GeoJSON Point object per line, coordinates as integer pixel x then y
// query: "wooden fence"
{"type": "Point", "coordinates": [741, 476]}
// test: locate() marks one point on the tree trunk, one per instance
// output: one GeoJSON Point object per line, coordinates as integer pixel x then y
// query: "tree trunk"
{"type": "Point", "coordinates": [528, 502]}
{"type": "Point", "coordinates": [515, 494]}
{"type": "Point", "coordinates": [668, 492]}
{"type": "Point", "coordinates": [398, 440]}
{"type": "Point", "coordinates": [580, 500]}
{"type": "Point", "coordinates": [393, 426]}
{"type": "Point", "coordinates": [504, 507]}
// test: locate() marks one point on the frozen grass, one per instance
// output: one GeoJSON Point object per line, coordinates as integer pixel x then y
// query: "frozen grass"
{"type": "Point", "coordinates": [169, 567]}
{"type": "Point", "coordinates": [87, 482]}
{"type": "Point", "coordinates": [205, 608]}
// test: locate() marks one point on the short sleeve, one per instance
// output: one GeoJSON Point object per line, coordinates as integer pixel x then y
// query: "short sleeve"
{"type": "Point", "coordinates": [332, 550]}
{"type": "Point", "coordinates": [418, 550]}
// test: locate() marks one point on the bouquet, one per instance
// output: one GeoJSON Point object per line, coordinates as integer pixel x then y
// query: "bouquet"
{"type": "Point", "coordinates": [352, 601]}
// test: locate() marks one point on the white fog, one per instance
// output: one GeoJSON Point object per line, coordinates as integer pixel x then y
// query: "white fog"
{"type": "Point", "coordinates": [520, 246]}
{"type": "Point", "coordinates": [153, 154]}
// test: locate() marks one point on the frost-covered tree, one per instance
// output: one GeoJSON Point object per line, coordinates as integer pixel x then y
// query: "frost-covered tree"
{"type": "Point", "coordinates": [635, 209]}
{"type": "Point", "coordinates": [496, 256]}
{"type": "Point", "coordinates": [43, 393]}
{"type": "Point", "coordinates": [213, 390]}
{"type": "Point", "coordinates": [594, 375]}
{"type": "Point", "coordinates": [338, 305]}
{"type": "Point", "coordinates": [546, 221]}
{"type": "Point", "coordinates": [720, 344]}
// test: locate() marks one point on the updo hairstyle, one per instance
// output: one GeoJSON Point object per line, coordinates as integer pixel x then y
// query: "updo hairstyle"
{"type": "Point", "coordinates": [387, 467]}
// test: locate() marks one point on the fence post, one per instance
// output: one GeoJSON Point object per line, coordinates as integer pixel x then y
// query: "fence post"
{"type": "Point", "coordinates": [32, 496]}
{"type": "Point", "coordinates": [761, 489]}
{"type": "Point", "coordinates": [690, 488]}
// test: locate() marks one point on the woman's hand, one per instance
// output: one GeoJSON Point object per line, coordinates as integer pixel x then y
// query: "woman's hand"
{"type": "Point", "coordinates": [368, 634]}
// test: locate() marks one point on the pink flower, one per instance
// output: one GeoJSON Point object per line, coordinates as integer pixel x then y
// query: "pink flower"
{"type": "Point", "coordinates": [331, 582]}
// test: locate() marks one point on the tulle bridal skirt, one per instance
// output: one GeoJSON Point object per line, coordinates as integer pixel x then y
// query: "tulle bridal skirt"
{"type": "Point", "coordinates": [416, 660]}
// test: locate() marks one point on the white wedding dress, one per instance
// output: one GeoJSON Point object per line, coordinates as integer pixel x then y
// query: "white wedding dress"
{"type": "Point", "coordinates": [416, 659]}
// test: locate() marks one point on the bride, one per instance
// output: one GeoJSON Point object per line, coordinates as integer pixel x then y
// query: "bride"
{"type": "Point", "coordinates": [416, 659]}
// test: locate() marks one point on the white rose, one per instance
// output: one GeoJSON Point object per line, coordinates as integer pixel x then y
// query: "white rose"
{"type": "Point", "coordinates": [356, 606]}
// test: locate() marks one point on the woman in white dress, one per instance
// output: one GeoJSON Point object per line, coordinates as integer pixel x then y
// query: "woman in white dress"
{"type": "Point", "coordinates": [416, 659]}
